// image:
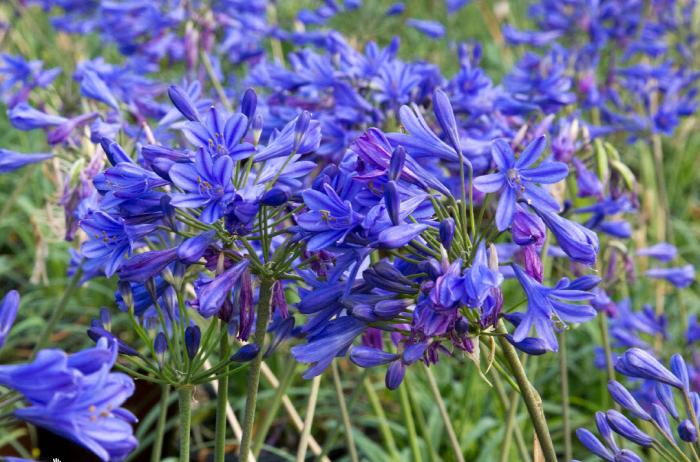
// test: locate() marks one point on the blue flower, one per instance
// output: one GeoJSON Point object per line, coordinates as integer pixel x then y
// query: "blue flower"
{"type": "Point", "coordinates": [108, 240]}
{"type": "Point", "coordinates": [206, 183]}
{"type": "Point", "coordinates": [220, 138]}
{"type": "Point", "coordinates": [8, 311]}
{"type": "Point", "coordinates": [680, 277]}
{"type": "Point", "coordinates": [548, 307]}
{"type": "Point", "coordinates": [432, 29]}
{"type": "Point", "coordinates": [517, 180]}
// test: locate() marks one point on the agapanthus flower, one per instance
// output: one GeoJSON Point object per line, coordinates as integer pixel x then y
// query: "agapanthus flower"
{"type": "Point", "coordinates": [548, 308]}
{"type": "Point", "coordinates": [516, 179]}
{"type": "Point", "coordinates": [206, 183]}
{"type": "Point", "coordinates": [681, 276]}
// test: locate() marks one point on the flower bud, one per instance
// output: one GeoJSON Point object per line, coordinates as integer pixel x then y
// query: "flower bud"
{"type": "Point", "coordinates": [680, 370]}
{"type": "Point", "coordinates": [527, 228]}
{"type": "Point", "coordinates": [249, 103]}
{"type": "Point", "coordinates": [394, 375]}
{"type": "Point", "coordinates": [394, 237]}
{"type": "Point", "coordinates": [246, 353]}
{"type": "Point", "coordinates": [275, 197]}
{"type": "Point", "coordinates": [447, 232]}
{"type": "Point", "coordinates": [392, 202]}
{"type": "Point", "coordinates": [387, 309]}
{"type": "Point", "coordinates": [661, 418]}
{"type": "Point", "coordinates": [664, 393]}
{"type": "Point", "coordinates": [593, 444]}
{"type": "Point", "coordinates": [396, 163]}
{"type": "Point", "coordinates": [687, 431]}
{"type": "Point", "coordinates": [193, 335]}
{"type": "Point", "coordinates": [625, 399]}
{"type": "Point", "coordinates": [414, 352]}
{"type": "Point", "coordinates": [446, 118]}
{"type": "Point", "coordinates": [636, 362]}
{"type": "Point", "coordinates": [160, 346]}
{"type": "Point", "coordinates": [183, 103]}
{"type": "Point", "coordinates": [533, 263]}
{"type": "Point", "coordinates": [365, 356]}
{"type": "Point", "coordinates": [300, 128]}
{"type": "Point", "coordinates": [627, 429]}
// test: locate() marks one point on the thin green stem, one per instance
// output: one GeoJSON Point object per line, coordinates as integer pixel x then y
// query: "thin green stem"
{"type": "Point", "coordinates": [384, 428]}
{"type": "Point", "coordinates": [308, 419]}
{"type": "Point", "coordinates": [693, 416]}
{"type": "Point", "coordinates": [410, 424]}
{"type": "Point", "coordinates": [421, 422]}
{"type": "Point", "coordinates": [273, 407]}
{"type": "Point", "coordinates": [603, 324]}
{"type": "Point", "coordinates": [263, 317]}
{"type": "Point", "coordinates": [157, 450]}
{"type": "Point", "coordinates": [565, 417]}
{"type": "Point", "coordinates": [532, 398]}
{"type": "Point", "coordinates": [344, 412]}
{"type": "Point", "coordinates": [185, 404]}
{"type": "Point", "coordinates": [57, 313]}
{"type": "Point", "coordinates": [510, 407]}
{"type": "Point", "coordinates": [222, 399]}
{"type": "Point", "coordinates": [443, 413]}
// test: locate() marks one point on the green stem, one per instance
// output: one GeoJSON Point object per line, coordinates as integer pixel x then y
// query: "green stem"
{"type": "Point", "coordinates": [445, 416]}
{"type": "Point", "coordinates": [565, 417]}
{"type": "Point", "coordinates": [693, 417]}
{"type": "Point", "coordinates": [421, 422]}
{"type": "Point", "coordinates": [160, 425]}
{"type": "Point", "coordinates": [57, 314]}
{"type": "Point", "coordinates": [222, 400]}
{"type": "Point", "coordinates": [185, 400]}
{"type": "Point", "coordinates": [510, 406]}
{"type": "Point", "coordinates": [603, 323]}
{"type": "Point", "coordinates": [532, 398]}
{"type": "Point", "coordinates": [263, 316]}
{"type": "Point", "coordinates": [273, 407]}
{"type": "Point", "coordinates": [410, 424]}
{"type": "Point", "coordinates": [383, 422]}
{"type": "Point", "coordinates": [344, 412]}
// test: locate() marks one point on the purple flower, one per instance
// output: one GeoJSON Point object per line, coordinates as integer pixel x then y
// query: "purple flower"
{"type": "Point", "coordinates": [25, 117]}
{"type": "Point", "coordinates": [108, 240]}
{"type": "Point", "coordinates": [527, 228]}
{"type": "Point", "coordinates": [92, 86]}
{"type": "Point", "coordinates": [594, 445]}
{"type": "Point", "coordinates": [8, 311]}
{"type": "Point", "coordinates": [192, 249]}
{"type": "Point", "coordinates": [329, 219]}
{"type": "Point", "coordinates": [432, 29]}
{"type": "Point", "coordinates": [220, 138]}
{"type": "Point", "coordinates": [547, 306]}
{"type": "Point", "coordinates": [81, 399]}
{"type": "Point", "coordinates": [516, 180]}
{"type": "Point", "coordinates": [625, 399]}
{"type": "Point", "coordinates": [687, 431]}
{"type": "Point", "coordinates": [144, 266]}
{"type": "Point", "coordinates": [206, 183]}
{"type": "Point", "coordinates": [680, 277]}
{"type": "Point", "coordinates": [10, 160]}
{"type": "Point", "coordinates": [213, 294]}
{"type": "Point", "coordinates": [662, 251]}
{"type": "Point", "coordinates": [394, 237]}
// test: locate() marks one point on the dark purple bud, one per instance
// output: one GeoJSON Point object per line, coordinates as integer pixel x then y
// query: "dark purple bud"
{"type": "Point", "coordinates": [193, 335]}
{"type": "Point", "coordinates": [183, 103]}
{"type": "Point", "coordinates": [394, 375]}
{"type": "Point", "coordinates": [394, 237]}
{"type": "Point", "coordinates": [279, 300]}
{"type": "Point", "coordinates": [687, 431]}
{"type": "Point", "coordinates": [246, 353]}
{"type": "Point", "coordinates": [680, 370]}
{"type": "Point", "coordinates": [665, 395]}
{"type": "Point", "coordinates": [275, 197]}
{"type": "Point", "coordinates": [527, 228]}
{"type": "Point", "coordinates": [430, 267]}
{"type": "Point", "coordinates": [387, 309]}
{"type": "Point", "coordinates": [212, 296]}
{"type": "Point", "coordinates": [115, 153]}
{"type": "Point", "coordinates": [105, 318]}
{"type": "Point", "coordinates": [447, 232]}
{"type": "Point", "coordinates": [627, 429]}
{"type": "Point", "coordinates": [414, 352]}
{"type": "Point", "coordinates": [593, 444]}
{"type": "Point", "coordinates": [446, 118]}
{"type": "Point", "coordinates": [365, 356]}
{"type": "Point", "coordinates": [396, 163]}
{"type": "Point", "coordinates": [249, 103]}
{"type": "Point", "coordinates": [300, 128]}
{"type": "Point", "coordinates": [192, 249]}
{"type": "Point", "coordinates": [625, 399]}
{"type": "Point", "coordinates": [532, 262]}
{"type": "Point", "coordinates": [392, 202]}
{"type": "Point", "coordinates": [661, 418]}
{"type": "Point", "coordinates": [636, 362]}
